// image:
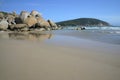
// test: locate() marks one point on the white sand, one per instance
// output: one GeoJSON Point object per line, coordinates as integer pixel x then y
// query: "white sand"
{"type": "Point", "coordinates": [60, 58]}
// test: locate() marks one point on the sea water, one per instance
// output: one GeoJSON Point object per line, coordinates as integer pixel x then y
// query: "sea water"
{"type": "Point", "coordinates": [105, 29]}
{"type": "Point", "coordinates": [103, 34]}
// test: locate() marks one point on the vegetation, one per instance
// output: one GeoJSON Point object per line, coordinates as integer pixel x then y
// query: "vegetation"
{"type": "Point", "coordinates": [83, 22]}
{"type": "Point", "coordinates": [4, 13]}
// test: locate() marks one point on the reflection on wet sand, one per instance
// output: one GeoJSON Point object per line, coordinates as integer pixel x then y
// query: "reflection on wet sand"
{"type": "Point", "coordinates": [27, 36]}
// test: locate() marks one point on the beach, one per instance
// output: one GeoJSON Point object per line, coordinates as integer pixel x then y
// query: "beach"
{"type": "Point", "coordinates": [59, 55]}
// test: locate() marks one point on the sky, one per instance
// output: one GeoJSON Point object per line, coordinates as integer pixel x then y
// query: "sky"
{"type": "Point", "coordinates": [61, 10]}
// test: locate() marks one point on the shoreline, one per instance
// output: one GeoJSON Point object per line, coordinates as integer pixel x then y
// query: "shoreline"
{"type": "Point", "coordinates": [93, 35]}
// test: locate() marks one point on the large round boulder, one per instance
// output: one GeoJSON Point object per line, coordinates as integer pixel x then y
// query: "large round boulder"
{"type": "Point", "coordinates": [11, 19]}
{"type": "Point", "coordinates": [28, 19]}
{"type": "Point", "coordinates": [24, 15]}
{"type": "Point", "coordinates": [3, 24]}
{"type": "Point", "coordinates": [41, 22]}
{"type": "Point", "coordinates": [35, 13]}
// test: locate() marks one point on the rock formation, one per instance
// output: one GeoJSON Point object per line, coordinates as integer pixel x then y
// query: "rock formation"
{"type": "Point", "coordinates": [25, 21]}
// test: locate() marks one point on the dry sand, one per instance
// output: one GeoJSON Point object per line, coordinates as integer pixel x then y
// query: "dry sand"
{"type": "Point", "coordinates": [58, 58]}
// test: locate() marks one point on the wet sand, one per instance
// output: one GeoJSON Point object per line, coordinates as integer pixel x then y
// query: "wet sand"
{"type": "Point", "coordinates": [57, 57]}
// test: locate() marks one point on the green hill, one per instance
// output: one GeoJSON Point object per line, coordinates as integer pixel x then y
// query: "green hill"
{"type": "Point", "coordinates": [83, 22]}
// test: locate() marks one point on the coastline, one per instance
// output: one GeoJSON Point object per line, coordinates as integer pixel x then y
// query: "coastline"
{"type": "Point", "coordinates": [62, 57]}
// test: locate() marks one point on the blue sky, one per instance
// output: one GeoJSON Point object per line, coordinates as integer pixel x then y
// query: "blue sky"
{"type": "Point", "coordinates": [60, 10]}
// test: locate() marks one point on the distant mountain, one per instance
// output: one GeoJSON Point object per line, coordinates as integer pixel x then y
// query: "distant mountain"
{"type": "Point", "coordinates": [83, 22]}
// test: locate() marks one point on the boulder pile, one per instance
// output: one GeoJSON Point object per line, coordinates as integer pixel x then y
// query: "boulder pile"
{"type": "Point", "coordinates": [25, 22]}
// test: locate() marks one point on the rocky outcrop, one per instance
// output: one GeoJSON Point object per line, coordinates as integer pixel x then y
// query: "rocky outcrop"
{"type": "Point", "coordinates": [26, 20]}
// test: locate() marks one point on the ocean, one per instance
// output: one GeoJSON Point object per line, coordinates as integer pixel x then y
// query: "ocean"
{"type": "Point", "coordinates": [103, 34]}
